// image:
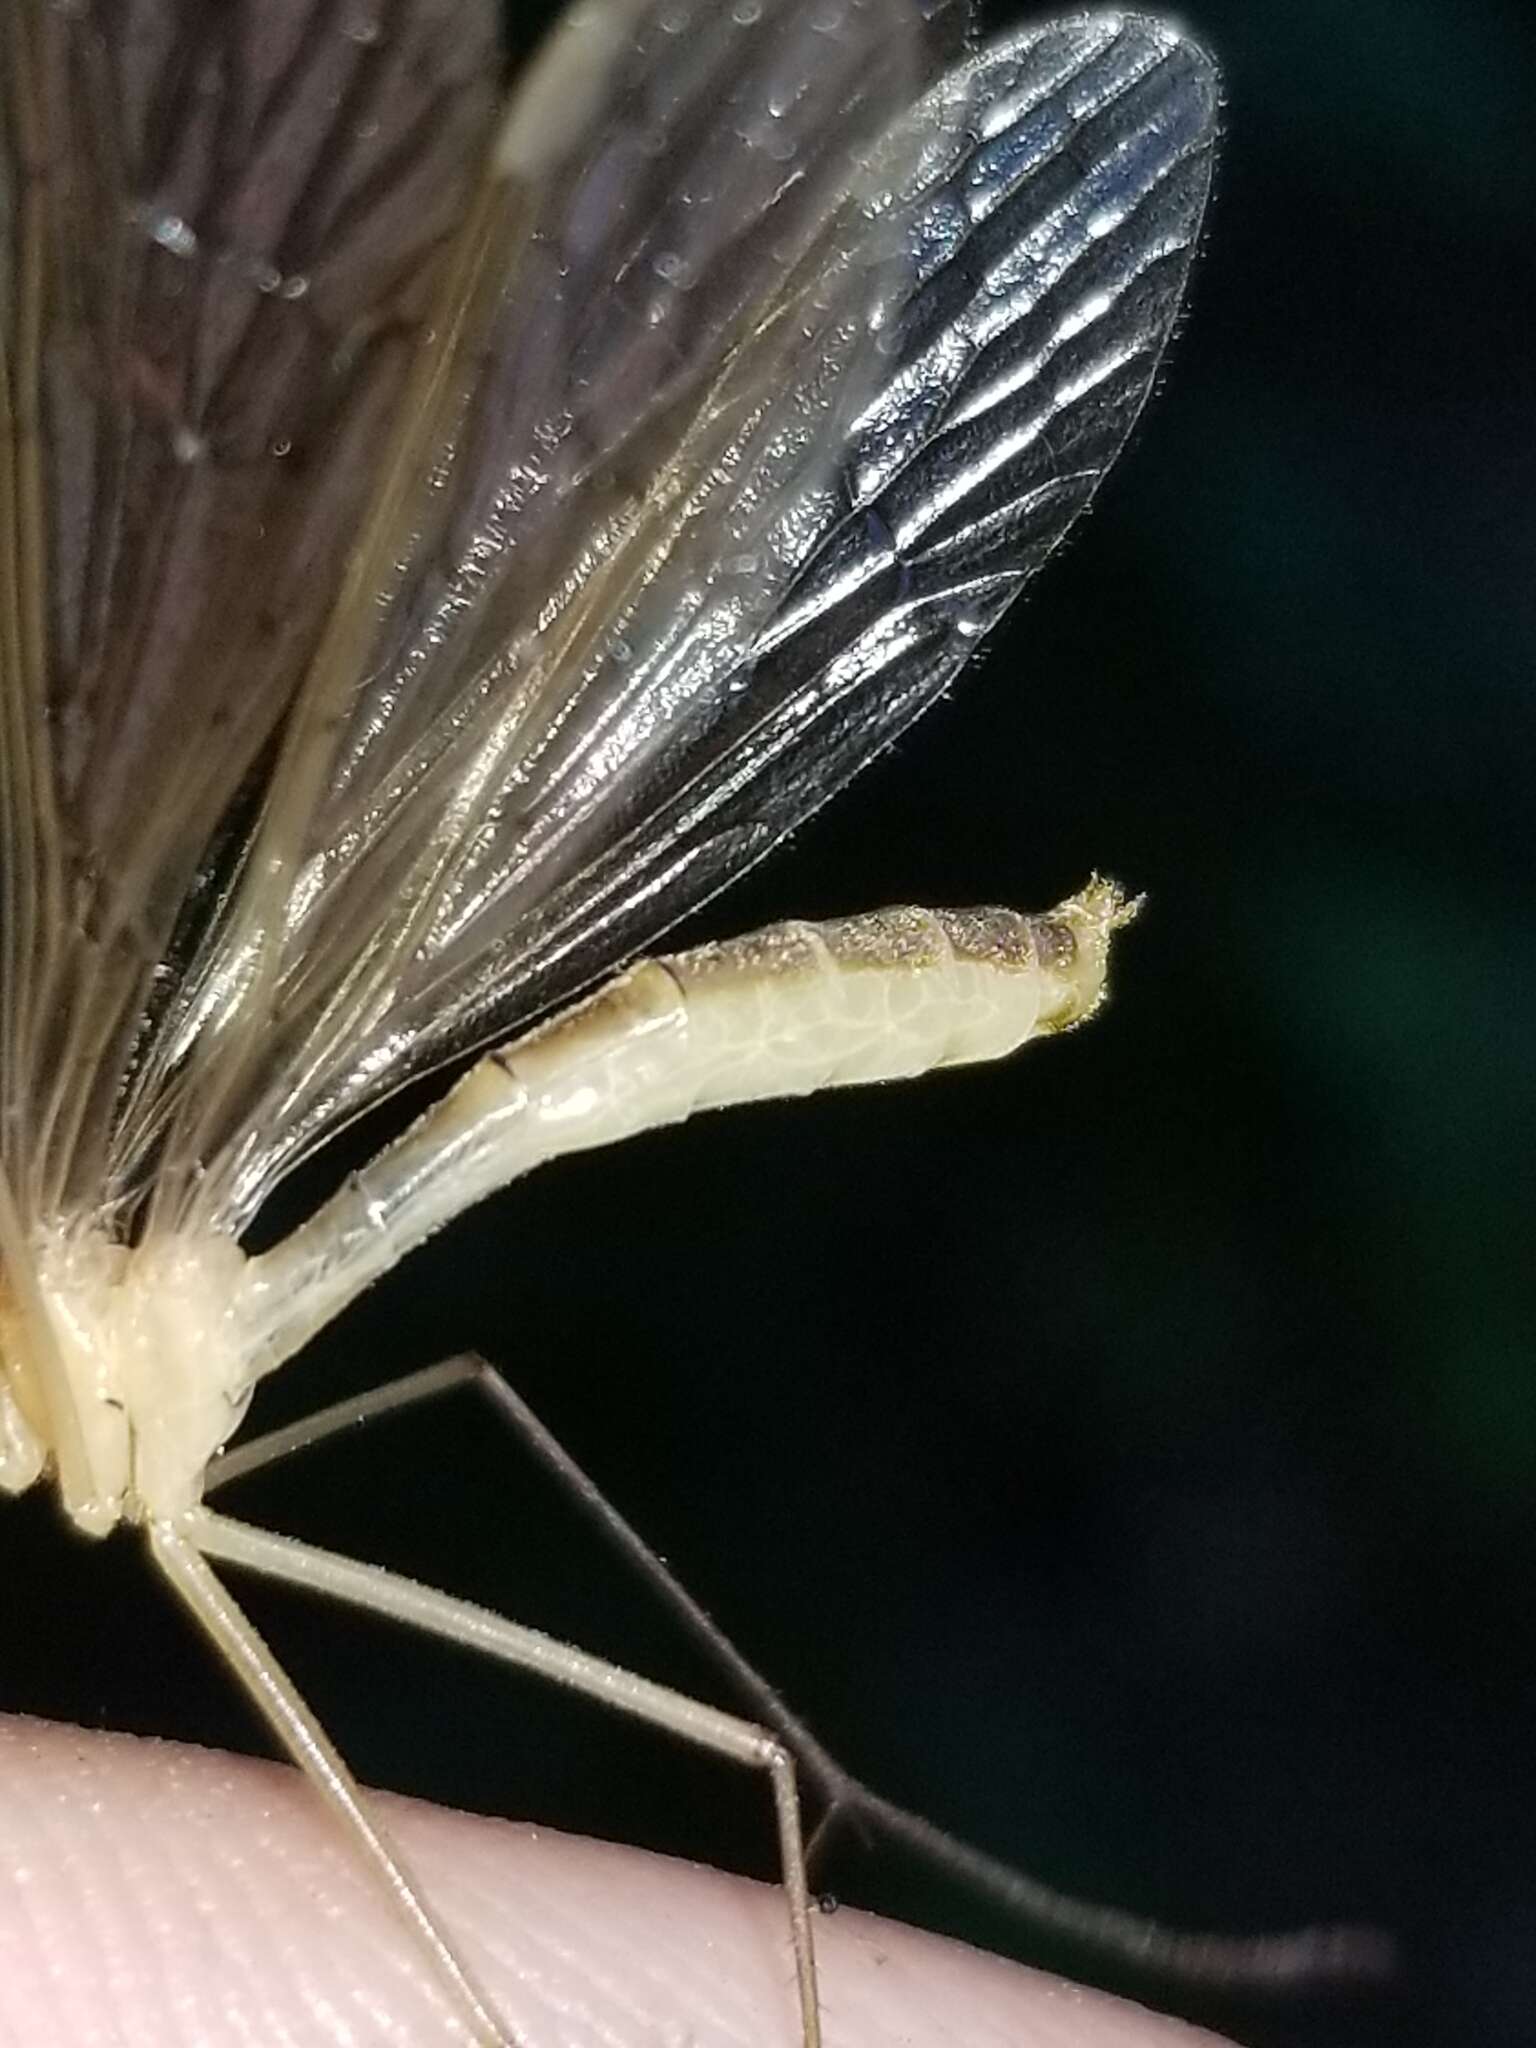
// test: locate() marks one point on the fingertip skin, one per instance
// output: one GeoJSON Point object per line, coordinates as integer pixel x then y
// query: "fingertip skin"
{"type": "Point", "coordinates": [155, 1896]}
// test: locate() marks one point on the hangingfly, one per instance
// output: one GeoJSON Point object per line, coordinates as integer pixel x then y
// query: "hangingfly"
{"type": "Point", "coordinates": [445, 539]}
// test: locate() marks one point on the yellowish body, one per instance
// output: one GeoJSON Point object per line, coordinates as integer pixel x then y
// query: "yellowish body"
{"type": "Point", "coordinates": [145, 1376]}
{"type": "Point", "coordinates": [134, 1365]}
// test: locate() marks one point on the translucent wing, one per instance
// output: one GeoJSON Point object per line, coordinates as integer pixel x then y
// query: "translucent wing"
{"type": "Point", "coordinates": [306, 505]}
{"type": "Point", "coordinates": [442, 627]}
{"type": "Point", "coordinates": [1054, 255]}
{"type": "Point", "coordinates": [1052, 230]}
{"type": "Point", "coordinates": [215, 225]}
{"type": "Point", "coordinates": [1046, 194]}
{"type": "Point", "coordinates": [667, 315]}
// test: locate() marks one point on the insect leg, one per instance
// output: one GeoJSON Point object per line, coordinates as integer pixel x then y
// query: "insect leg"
{"type": "Point", "coordinates": [1304, 1957]}
{"type": "Point", "coordinates": [840, 1793]}
{"type": "Point", "coordinates": [478, 1628]}
{"type": "Point", "coordinates": [411, 1390]}
{"type": "Point", "coordinates": [278, 1700]}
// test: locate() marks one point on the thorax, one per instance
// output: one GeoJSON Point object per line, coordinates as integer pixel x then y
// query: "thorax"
{"type": "Point", "coordinates": [122, 1371]}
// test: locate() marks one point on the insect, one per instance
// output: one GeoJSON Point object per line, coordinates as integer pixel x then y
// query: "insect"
{"type": "Point", "coordinates": [445, 540]}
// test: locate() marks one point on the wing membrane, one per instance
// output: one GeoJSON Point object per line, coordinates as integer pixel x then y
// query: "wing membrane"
{"type": "Point", "coordinates": [1054, 189]}
{"type": "Point", "coordinates": [219, 224]}
{"type": "Point", "coordinates": [399, 639]}
{"type": "Point", "coordinates": [638, 439]}
{"type": "Point", "coordinates": [1055, 250]}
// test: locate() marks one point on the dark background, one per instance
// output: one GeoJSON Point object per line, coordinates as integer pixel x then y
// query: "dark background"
{"type": "Point", "coordinates": [1125, 1456]}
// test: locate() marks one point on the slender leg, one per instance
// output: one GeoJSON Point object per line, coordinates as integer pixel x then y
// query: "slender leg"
{"type": "Point", "coordinates": [281, 1706]}
{"type": "Point", "coordinates": [410, 1391]}
{"type": "Point", "coordinates": [838, 1790]}
{"type": "Point", "coordinates": [477, 1628]}
{"type": "Point", "coordinates": [1314, 1955]}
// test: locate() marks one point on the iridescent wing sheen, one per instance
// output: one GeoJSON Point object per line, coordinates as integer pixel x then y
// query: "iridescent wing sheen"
{"type": "Point", "coordinates": [343, 421]}
{"type": "Point", "coordinates": [1047, 194]}
{"type": "Point", "coordinates": [444, 549]}
{"type": "Point", "coordinates": [669, 314]}
{"type": "Point", "coordinates": [1052, 232]}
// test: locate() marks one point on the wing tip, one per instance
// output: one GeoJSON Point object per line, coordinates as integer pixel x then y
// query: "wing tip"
{"type": "Point", "coordinates": [1165, 36]}
{"type": "Point", "coordinates": [1124, 49]}
{"type": "Point", "coordinates": [1193, 85]}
